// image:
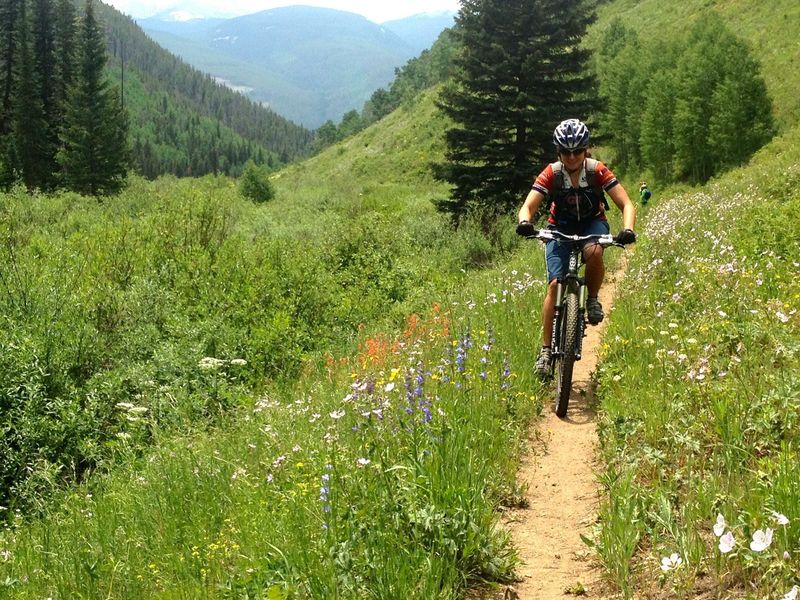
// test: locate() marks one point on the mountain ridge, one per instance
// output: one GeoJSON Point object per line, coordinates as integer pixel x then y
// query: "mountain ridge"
{"type": "Point", "coordinates": [309, 64]}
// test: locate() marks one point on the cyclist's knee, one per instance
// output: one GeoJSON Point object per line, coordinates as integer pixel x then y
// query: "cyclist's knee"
{"type": "Point", "coordinates": [592, 253]}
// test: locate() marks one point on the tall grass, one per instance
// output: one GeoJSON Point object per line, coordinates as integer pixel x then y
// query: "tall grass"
{"type": "Point", "coordinates": [379, 475]}
{"type": "Point", "coordinates": [700, 392]}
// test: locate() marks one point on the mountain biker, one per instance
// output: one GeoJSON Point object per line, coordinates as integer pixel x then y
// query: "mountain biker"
{"type": "Point", "coordinates": [644, 193]}
{"type": "Point", "coordinates": [574, 186]}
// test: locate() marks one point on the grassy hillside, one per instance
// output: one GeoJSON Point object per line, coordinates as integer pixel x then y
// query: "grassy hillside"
{"type": "Point", "coordinates": [699, 392]}
{"type": "Point", "coordinates": [769, 29]}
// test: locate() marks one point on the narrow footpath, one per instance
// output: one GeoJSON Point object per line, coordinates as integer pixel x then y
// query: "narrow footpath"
{"type": "Point", "coordinates": [563, 493]}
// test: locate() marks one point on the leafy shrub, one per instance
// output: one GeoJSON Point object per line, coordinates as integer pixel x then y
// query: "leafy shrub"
{"type": "Point", "coordinates": [255, 184]}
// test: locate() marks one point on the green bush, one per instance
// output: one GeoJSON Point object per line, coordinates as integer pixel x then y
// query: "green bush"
{"type": "Point", "coordinates": [255, 184]}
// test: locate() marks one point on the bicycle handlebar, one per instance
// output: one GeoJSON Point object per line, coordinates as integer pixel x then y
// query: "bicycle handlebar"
{"type": "Point", "coordinates": [604, 239]}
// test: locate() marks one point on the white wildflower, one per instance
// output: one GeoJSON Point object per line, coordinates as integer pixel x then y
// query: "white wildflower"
{"type": "Point", "coordinates": [719, 526]}
{"type": "Point", "coordinates": [668, 563]}
{"type": "Point", "coordinates": [727, 542]}
{"type": "Point", "coordinates": [761, 540]}
{"type": "Point", "coordinates": [781, 519]}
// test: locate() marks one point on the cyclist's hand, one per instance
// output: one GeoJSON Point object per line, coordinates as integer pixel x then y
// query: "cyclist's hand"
{"type": "Point", "coordinates": [626, 236]}
{"type": "Point", "coordinates": [526, 228]}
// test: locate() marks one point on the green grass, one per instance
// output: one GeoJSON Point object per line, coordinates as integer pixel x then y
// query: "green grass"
{"type": "Point", "coordinates": [415, 441]}
{"type": "Point", "coordinates": [699, 387]}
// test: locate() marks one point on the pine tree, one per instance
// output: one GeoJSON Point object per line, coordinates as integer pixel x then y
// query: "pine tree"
{"type": "Point", "coordinates": [44, 55]}
{"type": "Point", "coordinates": [94, 156]}
{"type": "Point", "coordinates": [65, 32]}
{"type": "Point", "coordinates": [29, 123]}
{"type": "Point", "coordinates": [520, 72]}
{"type": "Point", "coordinates": [9, 18]}
{"type": "Point", "coordinates": [9, 10]}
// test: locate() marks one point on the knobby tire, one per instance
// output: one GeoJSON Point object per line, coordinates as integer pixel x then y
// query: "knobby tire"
{"type": "Point", "coordinates": [569, 342]}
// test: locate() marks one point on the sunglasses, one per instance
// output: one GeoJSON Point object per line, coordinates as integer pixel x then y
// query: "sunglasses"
{"type": "Point", "coordinates": [576, 152]}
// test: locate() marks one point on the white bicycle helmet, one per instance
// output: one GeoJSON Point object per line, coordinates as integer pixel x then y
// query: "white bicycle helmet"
{"type": "Point", "coordinates": [571, 134]}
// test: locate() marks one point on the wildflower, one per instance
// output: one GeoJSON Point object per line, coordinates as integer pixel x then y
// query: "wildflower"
{"type": "Point", "coordinates": [786, 555]}
{"type": "Point", "coordinates": [210, 363]}
{"type": "Point", "coordinates": [761, 540]}
{"type": "Point", "coordinates": [719, 527]}
{"type": "Point", "coordinates": [389, 387]}
{"type": "Point", "coordinates": [278, 462]}
{"type": "Point", "coordinates": [781, 519]}
{"type": "Point", "coordinates": [363, 462]}
{"type": "Point", "coordinates": [727, 542]}
{"type": "Point", "coordinates": [722, 314]}
{"type": "Point", "coordinates": [668, 563]}
{"type": "Point", "coordinates": [337, 414]}
{"type": "Point", "coordinates": [792, 594]}
{"type": "Point", "coordinates": [783, 317]}
{"type": "Point", "coordinates": [239, 362]}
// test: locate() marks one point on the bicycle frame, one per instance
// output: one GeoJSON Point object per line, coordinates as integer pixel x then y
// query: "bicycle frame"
{"type": "Point", "coordinates": [572, 282]}
{"type": "Point", "coordinates": [569, 314]}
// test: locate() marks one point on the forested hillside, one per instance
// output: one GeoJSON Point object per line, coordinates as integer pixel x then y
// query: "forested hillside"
{"type": "Point", "coordinates": [185, 123]}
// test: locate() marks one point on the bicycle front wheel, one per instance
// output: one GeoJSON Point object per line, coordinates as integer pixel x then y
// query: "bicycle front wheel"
{"type": "Point", "coordinates": [569, 342]}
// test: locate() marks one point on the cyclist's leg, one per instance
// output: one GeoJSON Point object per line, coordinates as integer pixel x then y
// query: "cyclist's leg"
{"type": "Point", "coordinates": [595, 271]}
{"type": "Point", "coordinates": [593, 257]}
{"type": "Point", "coordinates": [557, 259]}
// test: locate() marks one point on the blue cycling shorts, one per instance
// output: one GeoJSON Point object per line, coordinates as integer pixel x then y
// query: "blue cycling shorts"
{"type": "Point", "coordinates": [556, 252]}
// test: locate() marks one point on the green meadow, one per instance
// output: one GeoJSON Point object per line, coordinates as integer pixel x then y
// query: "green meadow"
{"type": "Point", "coordinates": [327, 395]}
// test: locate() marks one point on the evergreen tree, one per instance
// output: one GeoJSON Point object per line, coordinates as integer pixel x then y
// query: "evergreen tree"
{"type": "Point", "coordinates": [65, 31]}
{"type": "Point", "coordinates": [44, 54]}
{"type": "Point", "coordinates": [94, 156]}
{"type": "Point", "coordinates": [9, 18]}
{"type": "Point", "coordinates": [30, 139]}
{"type": "Point", "coordinates": [9, 10]}
{"type": "Point", "coordinates": [520, 72]}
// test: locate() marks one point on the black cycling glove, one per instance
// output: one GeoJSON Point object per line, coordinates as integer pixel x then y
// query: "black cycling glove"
{"type": "Point", "coordinates": [526, 228]}
{"type": "Point", "coordinates": [626, 236]}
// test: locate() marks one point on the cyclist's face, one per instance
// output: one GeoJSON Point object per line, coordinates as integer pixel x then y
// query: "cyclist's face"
{"type": "Point", "coordinates": [572, 158]}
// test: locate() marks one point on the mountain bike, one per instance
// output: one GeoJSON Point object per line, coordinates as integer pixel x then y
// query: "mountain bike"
{"type": "Point", "coordinates": [569, 318]}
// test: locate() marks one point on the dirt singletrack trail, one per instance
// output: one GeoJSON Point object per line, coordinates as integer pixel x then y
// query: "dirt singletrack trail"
{"type": "Point", "coordinates": [563, 493]}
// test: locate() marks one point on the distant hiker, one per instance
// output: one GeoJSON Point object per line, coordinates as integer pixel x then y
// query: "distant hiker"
{"type": "Point", "coordinates": [644, 193]}
{"type": "Point", "coordinates": [574, 188]}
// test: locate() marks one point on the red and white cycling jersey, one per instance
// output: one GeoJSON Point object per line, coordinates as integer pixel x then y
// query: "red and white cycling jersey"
{"type": "Point", "coordinates": [571, 203]}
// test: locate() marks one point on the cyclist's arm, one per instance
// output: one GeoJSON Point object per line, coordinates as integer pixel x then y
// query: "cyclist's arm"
{"type": "Point", "coordinates": [620, 198]}
{"type": "Point", "coordinates": [530, 207]}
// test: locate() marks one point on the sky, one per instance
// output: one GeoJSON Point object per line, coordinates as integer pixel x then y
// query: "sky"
{"type": "Point", "coordinates": [375, 10]}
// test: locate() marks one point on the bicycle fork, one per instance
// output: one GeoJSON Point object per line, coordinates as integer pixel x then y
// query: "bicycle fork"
{"type": "Point", "coordinates": [563, 285]}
